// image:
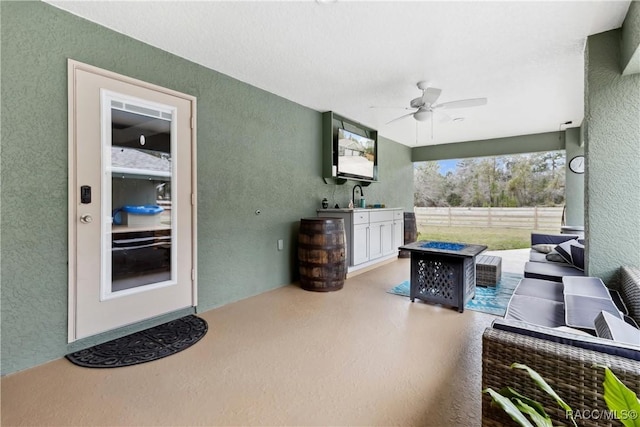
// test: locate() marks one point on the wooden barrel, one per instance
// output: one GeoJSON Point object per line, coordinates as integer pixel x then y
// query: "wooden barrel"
{"type": "Point", "coordinates": [410, 232]}
{"type": "Point", "coordinates": [322, 254]}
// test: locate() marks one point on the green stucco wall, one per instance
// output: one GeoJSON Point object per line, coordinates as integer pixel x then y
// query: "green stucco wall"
{"type": "Point", "coordinates": [574, 183]}
{"type": "Point", "coordinates": [612, 147]}
{"type": "Point", "coordinates": [548, 141]}
{"type": "Point", "coordinates": [255, 151]}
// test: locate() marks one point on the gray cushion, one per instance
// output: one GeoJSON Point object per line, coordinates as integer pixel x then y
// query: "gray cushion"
{"type": "Point", "coordinates": [613, 328]}
{"type": "Point", "coordinates": [544, 289]}
{"type": "Point", "coordinates": [549, 271]}
{"type": "Point", "coordinates": [536, 256]}
{"type": "Point", "coordinates": [537, 311]}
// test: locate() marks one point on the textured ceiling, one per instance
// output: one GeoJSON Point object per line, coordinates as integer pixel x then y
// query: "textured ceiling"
{"type": "Point", "coordinates": [346, 56]}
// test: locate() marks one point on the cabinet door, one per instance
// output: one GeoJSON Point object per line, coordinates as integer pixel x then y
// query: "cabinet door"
{"type": "Point", "coordinates": [386, 234]}
{"type": "Point", "coordinates": [398, 234]}
{"type": "Point", "coordinates": [360, 243]}
{"type": "Point", "coordinates": [375, 240]}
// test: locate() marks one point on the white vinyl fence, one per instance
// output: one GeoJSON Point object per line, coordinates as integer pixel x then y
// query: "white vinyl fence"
{"type": "Point", "coordinates": [534, 218]}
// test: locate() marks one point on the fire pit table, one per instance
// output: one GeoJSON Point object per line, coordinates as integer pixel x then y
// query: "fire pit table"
{"type": "Point", "coordinates": [443, 272]}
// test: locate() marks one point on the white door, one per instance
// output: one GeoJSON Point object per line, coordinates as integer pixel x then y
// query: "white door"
{"type": "Point", "coordinates": [131, 201]}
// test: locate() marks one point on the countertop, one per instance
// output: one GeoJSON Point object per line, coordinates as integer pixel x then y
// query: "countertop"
{"type": "Point", "coordinates": [357, 209]}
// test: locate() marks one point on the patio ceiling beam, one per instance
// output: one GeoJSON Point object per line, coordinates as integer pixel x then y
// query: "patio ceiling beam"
{"type": "Point", "coordinates": [549, 141]}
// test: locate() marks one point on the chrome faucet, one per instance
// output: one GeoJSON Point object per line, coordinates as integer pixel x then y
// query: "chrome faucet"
{"type": "Point", "coordinates": [353, 193]}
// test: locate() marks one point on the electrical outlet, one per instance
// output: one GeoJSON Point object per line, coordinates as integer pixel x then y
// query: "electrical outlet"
{"type": "Point", "coordinates": [280, 244]}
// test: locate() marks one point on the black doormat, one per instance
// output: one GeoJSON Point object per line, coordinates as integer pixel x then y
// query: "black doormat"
{"type": "Point", "coordinates": [144, 346]}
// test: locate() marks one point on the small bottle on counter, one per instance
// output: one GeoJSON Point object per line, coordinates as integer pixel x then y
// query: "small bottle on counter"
{"type": "Point", "coordinates": [350, 204]}
{"type": "Point", "coordinates": [325, 203]}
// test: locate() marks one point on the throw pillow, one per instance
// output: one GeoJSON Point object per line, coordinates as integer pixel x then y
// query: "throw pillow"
{"type": "Point", "coordinates": [542, 248]}
{"type": "Point", "coordinates": [564, 249]}
{"type": "Point", "coordinates": [577, 256]}
{"type": "Point", "coordinates": [610, 327]}
{"type": "Point", "coordinates": [554, 256]}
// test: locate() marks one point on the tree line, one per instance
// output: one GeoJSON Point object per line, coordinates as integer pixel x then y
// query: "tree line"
{"type": "Point", "coordinates": [535, 179]}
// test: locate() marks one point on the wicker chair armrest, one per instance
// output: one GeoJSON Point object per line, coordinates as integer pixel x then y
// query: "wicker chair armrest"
{"type": "Point", "coordinates": [569, 370]}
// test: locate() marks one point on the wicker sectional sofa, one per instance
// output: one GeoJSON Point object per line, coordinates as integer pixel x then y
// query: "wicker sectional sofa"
{"type": "Point", "coordinates": [566, 360]}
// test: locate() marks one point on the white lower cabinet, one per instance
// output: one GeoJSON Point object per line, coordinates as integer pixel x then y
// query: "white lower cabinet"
{"type": "Point", "coordinates": [398, 234]}
{"type": "Point", "coordinates": [398, 228]}
{"type": "Point", "coordinates": [359, 244]}
{"type": "Point", "coordinates": [386, 233]}
{"type": "Point", "coordinates": [373, 235]}
{"type": "Point", "coordinates": [375, 240]}
{"type": "Point", "coordinates": [381, 225]}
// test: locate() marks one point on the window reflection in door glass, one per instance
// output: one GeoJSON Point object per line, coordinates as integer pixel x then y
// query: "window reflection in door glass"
{"type": "Point", "coordinates": [141, 167]}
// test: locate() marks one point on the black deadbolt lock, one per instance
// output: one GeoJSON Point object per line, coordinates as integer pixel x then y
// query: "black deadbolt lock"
{"type": "Point", "coordinates": [85, 194]}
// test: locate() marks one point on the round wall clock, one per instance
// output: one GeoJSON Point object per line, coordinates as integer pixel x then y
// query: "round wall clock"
{"type": "Point", "coordinates": [577, 164]}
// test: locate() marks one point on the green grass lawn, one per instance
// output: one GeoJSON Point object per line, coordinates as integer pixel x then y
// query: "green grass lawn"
{"type": "Point", "coordinates": [494, 238]}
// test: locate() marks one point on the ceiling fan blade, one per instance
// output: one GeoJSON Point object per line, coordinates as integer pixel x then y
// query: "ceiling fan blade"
{"type": "Point", "coordinates": [430, 95]}
{"type": "Point", "coordinates": [394, 108]}
{"type": "Point", "coordinates": [463, 103]}
{"type": "Point", "coordinates": [401, 117]}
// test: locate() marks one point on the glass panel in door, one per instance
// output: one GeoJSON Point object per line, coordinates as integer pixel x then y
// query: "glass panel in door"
{"type": "Point", "coordinates": [138, 148]}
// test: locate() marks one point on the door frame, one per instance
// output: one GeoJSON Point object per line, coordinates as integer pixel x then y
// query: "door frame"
{"type": "Point", "coordinates": [73, 193]}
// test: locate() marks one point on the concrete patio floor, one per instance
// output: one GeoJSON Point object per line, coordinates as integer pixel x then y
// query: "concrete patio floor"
{"type": "Point", "coordinates": [513, 260]}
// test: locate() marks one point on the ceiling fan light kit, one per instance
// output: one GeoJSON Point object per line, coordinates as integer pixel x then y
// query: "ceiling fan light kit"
{"type": "Point", "coordinates": [422, 115]}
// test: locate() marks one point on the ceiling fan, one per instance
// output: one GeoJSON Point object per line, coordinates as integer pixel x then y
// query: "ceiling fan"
{"type": "Point", "coordinates": [425, 105]}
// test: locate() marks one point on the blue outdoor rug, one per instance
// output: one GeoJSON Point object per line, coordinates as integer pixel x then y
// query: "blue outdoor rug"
{"type": "Point", "coordinates": [487, 300]}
